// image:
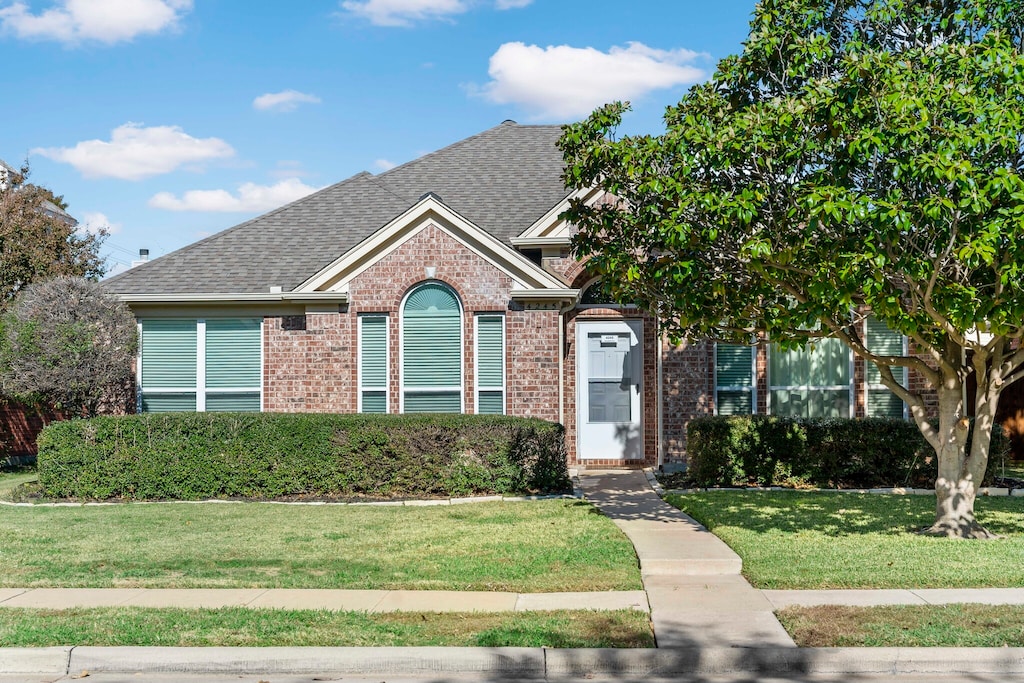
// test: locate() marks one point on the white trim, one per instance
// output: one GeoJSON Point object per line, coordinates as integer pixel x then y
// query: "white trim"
{"type": "Point", "coordinates": [550, 229]}
{"type": "Point", "coordinates": [401, 349]}
{"type": "Point", "coordinates": [263, 377]}
{"type": "Point", "coordinates": [360, 387]}
{"type": "Point", "coordinates": [191, 298]}
{"type": "Point", "coordinates": [428, 211]}
{"type": "Point", "coordinates": [201, 365]}
{"type": "Point", "coordinates": [553, 294]}
{"type": "Point", "coordinates": [478, 388]}
{"type": "Point", "coordinates": [636, 328]}
{"type": "Point", "coordinates": [138, 369]}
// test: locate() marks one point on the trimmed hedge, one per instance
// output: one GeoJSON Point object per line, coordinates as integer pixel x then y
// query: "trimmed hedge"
{"type": "Point", "coordinates": [828, 452]}
{"type": "Point", "coordinates": [192, 456]}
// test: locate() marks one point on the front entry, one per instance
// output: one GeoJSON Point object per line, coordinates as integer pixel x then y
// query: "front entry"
{"type": "Point", "coordinates": [609, 366]}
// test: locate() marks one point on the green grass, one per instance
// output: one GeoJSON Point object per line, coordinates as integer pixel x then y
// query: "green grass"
{"type": "Point", "coordinates": [538, 546]}
{"type": "Point", "coordinates": [14, 477]}
{"type": "Point", "coordinates": [1016, 470]}
{"type": "Point", "coordinates": [242, 627]}
{"type": "Point", "coordinates": [906, 626]}
{"type": "Point", "coordinates": [839, 540]}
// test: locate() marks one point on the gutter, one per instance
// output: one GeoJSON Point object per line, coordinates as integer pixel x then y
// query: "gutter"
{"type": "Point", "coordinates": [215, 298]}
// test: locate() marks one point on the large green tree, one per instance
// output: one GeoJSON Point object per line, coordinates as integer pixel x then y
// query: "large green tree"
{"type": "Point", "coordinates": [39, 241]}
{"type": "Point", "coordinates": [857, 155]}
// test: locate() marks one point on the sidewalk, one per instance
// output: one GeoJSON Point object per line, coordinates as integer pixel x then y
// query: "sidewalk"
{"type": "Point", "coordinates": [692, 579]}
{"type": "Point", "coordinates": [337, 600]}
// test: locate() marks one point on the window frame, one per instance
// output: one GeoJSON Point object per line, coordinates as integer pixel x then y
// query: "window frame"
{"type": "Point", "coordinates": [360, 387]}
{"type": "Point", "coordinates": [752, 389]}
{"type": "Point", "coordinates": [402, 388]}
{"type": "Point", "coordinates": [479, 388]}
{"type": "Point", "coordinates": [870, 386]}
{"type": "Point", "coordinates": [200, 390]}
{"type": "Point", "coordinates": [850, 386]}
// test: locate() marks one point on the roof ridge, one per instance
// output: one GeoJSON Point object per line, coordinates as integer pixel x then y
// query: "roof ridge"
{"type": "Point", "coordinates": [233, 228]}
{"type": "Point", "coordinates": [457, 143]}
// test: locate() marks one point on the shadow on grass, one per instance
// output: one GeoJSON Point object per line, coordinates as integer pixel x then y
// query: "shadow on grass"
{"type": "Point", "coordinates": [836, 514]}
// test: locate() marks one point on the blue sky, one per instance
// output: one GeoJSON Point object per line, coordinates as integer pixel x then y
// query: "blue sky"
{"type": "Point", "coordinates": [169, 120]}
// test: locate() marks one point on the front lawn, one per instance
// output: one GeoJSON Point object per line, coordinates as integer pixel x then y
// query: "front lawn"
{"type": "Point", "coordinates": [906, 626]}
{"type": "Point", "coordinates": [806, 540]}
{"type": "Point", "coordinates": [537, 546]}
{"type": "Point", "coordinates": [15, 476]}
{"type": "Point", "coordinates": [243, 627]}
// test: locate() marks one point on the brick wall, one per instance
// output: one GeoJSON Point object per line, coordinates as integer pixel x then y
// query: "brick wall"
{"type": "Point", "coordinates": [310, 361]}
{"type": "Point", "coordinates": [19, 427]}
{"type": "Point", "coordinates": [688, 371]}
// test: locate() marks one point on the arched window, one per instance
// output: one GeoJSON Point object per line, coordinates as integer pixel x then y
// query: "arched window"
{"type": "Point", "coordinates": [432, 350]}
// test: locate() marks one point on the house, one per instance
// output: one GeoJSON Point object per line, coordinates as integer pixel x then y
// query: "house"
{"type": "Point", "coordinates": [447, 285]}
{"type": "Point", "coordinates": [47, 207]}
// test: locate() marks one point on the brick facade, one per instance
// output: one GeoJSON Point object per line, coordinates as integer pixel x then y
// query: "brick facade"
{"type": "Point", "coordinates": [688, 372]}
{"type": "Point", "coordinates": [310, 361]}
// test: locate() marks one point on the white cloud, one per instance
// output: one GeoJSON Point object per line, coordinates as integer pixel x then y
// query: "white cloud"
{"type": "Point", "coordinates": [135, 152]}
{"type": "Point", "coordinates": [94, 221]}
{"type": "Point", "coordinates": [384, 164]}
{"type": "Point", "coordinates": [105, 21]}
{"type": "Point", "coordinates": [286, 100]}
{"type": "Point", "coordinates": [564, 82]}
{"type": "Point", "coordinates": [511, 4]}
{"type": "Point", "coordinates": [404, 12]}
{"type": "Point", "coordinates": [250, 197]}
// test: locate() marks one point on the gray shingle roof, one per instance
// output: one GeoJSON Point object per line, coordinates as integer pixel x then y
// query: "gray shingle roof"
{"type": "Point", "coordinates": [503, 179]}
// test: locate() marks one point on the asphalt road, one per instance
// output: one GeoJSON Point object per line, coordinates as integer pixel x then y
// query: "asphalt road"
{"type": "Point", "coordinates": [86, 677]}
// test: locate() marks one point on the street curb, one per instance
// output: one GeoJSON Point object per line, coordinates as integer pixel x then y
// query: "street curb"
{"type": "Point", "coordinates": [41, 660]}
{"type": "Point", "coordinates": [521, 662]}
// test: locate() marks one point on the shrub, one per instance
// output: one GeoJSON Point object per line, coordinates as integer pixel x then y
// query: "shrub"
{"type": "Point", "coordinates": [828, 452]}
{"type": "Point", "coordinates": [192, 456]}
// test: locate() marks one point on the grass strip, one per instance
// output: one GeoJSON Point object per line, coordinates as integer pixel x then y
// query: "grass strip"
{"type": "Point", "coordinates": [906, 626]}
{"type": "Point", "coordinates": [808, 540]}
{"type": "Point", "coordinates": [244, 627]}
{"type": "Point", "coordinates": [14, 477]}
{"type": "Point", "coordinates": [527, 547]}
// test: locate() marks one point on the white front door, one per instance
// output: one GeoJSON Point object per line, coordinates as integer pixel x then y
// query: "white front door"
{"type": "Point", "coordinates": [609, 365]}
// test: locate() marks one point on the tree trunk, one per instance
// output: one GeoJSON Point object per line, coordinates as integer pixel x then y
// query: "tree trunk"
{"type": "Point", "coordinates": [960, 472]}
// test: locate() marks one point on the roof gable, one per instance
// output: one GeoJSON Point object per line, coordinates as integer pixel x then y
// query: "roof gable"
{"type": "Point", "coordinates": [430, 211]}
{"type": "Point", "coordinates": [501, 181]}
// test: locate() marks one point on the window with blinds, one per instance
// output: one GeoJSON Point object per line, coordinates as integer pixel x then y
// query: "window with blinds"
{"type": "Point", "coordinates": [432, 351]}
{"type": "Point", "coordinates": [810, 382]}
{"type": "Point", "coordinates": [201, 365]}
{"type": "Point", "coordinates": [880, 401]}
{"type": "Point", "coordinates": [490, 365]}
{"type": "Point", "coordinates": [373, 364]}
{"type": "Point", "coordinates": [734, 379]}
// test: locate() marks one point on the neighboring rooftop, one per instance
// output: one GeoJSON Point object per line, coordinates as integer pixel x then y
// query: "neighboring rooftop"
{"type": "Point", "coordinates": [503, 180]}
{"type": "Point", "coordinates": [48, 207]}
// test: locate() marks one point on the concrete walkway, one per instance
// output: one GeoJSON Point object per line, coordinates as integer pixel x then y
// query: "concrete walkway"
{"type": "Point", "coordinates": [338, 600]}
{"type": "Point", "coordinates": [692, 579]}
